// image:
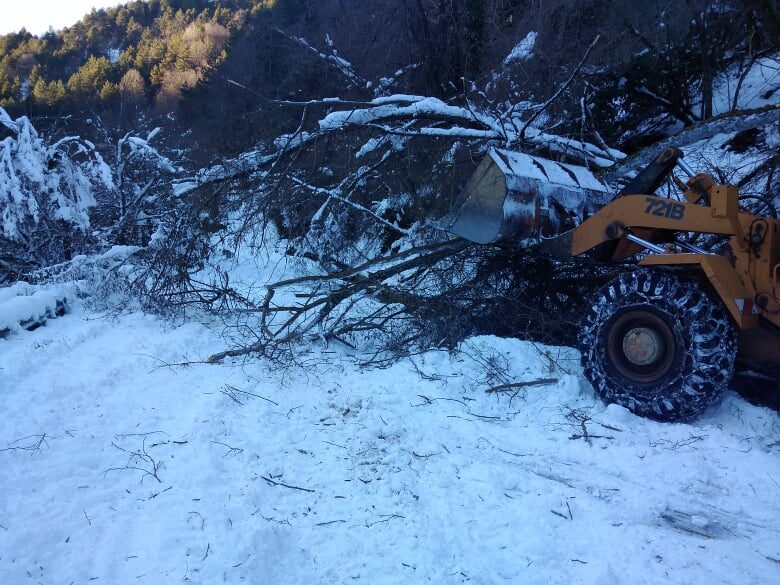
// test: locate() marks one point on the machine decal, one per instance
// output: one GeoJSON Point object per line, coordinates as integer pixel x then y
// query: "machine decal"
{"type": "Point", "coordinates": [665, 208]}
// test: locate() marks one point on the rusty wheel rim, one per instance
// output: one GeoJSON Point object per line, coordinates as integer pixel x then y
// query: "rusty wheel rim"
{"type": "Point", "coordinates": [641, 346]}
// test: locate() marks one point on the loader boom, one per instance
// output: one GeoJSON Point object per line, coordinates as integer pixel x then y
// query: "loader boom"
{"type": "Point", "coordinates": [649, 179]}
{"type": "Point", "coordinates": [746, 281]}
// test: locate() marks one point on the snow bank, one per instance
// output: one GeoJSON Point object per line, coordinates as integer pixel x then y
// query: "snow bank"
{"type": "Point", "coordinates": [23, 306]}
{"type": "Point", "coordinates": [85, 266]}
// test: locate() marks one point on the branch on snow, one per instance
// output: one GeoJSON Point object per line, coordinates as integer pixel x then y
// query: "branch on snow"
{"type": "Point", "coordinates": [326, 309]}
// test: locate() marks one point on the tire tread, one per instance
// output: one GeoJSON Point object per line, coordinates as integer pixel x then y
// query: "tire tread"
{"type": "Point", "coordinates": [710, 345]}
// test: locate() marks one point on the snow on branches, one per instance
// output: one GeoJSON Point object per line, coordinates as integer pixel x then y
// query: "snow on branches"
{"type": "Point", "coordinates": [41, 183]}
{"type": "Point", "coordinates": [523, 50]}
{"type": "Point", "coordinates": [411, 115]}
{"type": "Point", "coordinates": [140, 171]}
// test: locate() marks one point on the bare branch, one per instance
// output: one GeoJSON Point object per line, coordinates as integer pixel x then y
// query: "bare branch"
{"type": "Point", "coordinates": [560, 90]}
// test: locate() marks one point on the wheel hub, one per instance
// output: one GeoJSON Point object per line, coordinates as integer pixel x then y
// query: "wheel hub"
{"type": "Point", "coordinates": [643, 346]}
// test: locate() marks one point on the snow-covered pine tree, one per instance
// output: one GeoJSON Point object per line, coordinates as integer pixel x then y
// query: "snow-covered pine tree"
{"type": "Point", "coordinates": [46, 191]}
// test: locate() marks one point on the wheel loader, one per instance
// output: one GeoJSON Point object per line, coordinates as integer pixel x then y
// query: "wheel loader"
{"type": "Point", "coordinates": [698, 305]}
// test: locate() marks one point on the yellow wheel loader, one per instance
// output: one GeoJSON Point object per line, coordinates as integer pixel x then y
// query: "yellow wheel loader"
{"type": "Point", "coordinates": [661, 339]}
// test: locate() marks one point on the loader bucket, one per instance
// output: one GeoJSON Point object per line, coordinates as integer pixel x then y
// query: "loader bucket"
{"type": "Point", "coordinates": [514, 197]}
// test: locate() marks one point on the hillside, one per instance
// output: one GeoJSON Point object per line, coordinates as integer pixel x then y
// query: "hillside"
{"type": "Point", "coordinates": [155, 57]}
{"type": "Point", "coordinates": [135, 55]}
{"type": "Point", "coordinates": [187, 129]}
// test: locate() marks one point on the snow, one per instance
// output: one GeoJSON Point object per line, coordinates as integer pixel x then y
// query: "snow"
{"type": "Point", "coordinates": [84, 269]}
{"type": "Point", "coordinates": [23, 303]}
{"type": "Point", "coordinates": [140, 148]}
{"type": "Point", "coordinates": [39, 181]}
{"type": "Point", "coordinates": [397, 98]}
{"type": "Point", "coordinates": [572, 186]}
{"type": "Point", "coordinates": [289, 141]}
{"type": "Point", "coordinates": [387, 82]}
{"type": "Point", "coordinates": [542, 169]}
{"type": "Point", "coordinates": [396, 143]}
{"type": "Point", "coordinates": [692, 139]}
{"type": "Point", "coordinates": [246, 162]}
{"type": "Point", "coordinates": [773, 136]}
{"type": "Point", "coordinates": [128, 460]}
{"type": "Point", "coordinates": [378, 476]}
{"type": "Point", "coordinates": [370, 146]}
{"type": "Point", "coordinates": [760, 87]}
{"type": "Point", "coordinates": [391, 106]}
{"type": "Point", "coordinates": [714, 153]}
{"type": "Point", "coordinates": [523, 51]}
{"type": "Point", "coordinates": [342, 65]}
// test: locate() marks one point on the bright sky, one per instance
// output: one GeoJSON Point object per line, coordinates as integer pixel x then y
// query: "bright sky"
{"type": "Point", "coordinates": [37, 15]}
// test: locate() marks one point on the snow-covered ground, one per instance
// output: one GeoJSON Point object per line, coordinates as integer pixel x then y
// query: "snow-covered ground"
{"type": "Point", "coordinates": [120, 467]}
{"type": "Point", "coordinates": [760, 86]}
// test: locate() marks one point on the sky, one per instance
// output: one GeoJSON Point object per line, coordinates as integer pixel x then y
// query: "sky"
{"type": "Point", "coordinates": [38, 15]}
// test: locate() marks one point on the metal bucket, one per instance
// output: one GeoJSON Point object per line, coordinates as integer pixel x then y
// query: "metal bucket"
{"type": "Point", "coordinates": [514, 197]}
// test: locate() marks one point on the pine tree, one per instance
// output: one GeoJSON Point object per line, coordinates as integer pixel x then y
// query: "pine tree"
{"type": "Point", "coordinates": [108, 91]}
{"type": "Point", "coordinates": [132, 88]}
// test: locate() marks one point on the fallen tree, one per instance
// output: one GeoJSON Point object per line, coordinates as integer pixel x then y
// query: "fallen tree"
{"type": "Point", "coordinates": [355, 189]}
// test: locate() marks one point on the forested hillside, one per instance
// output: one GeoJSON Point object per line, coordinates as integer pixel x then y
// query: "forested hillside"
{"type": "Point", "coordinates": [139, 55]}
{"type": "Point", "coordinates": [141, 59]}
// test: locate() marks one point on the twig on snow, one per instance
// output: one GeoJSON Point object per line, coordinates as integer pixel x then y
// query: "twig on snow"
{"type": "Point", "coordinates": [139, 461]}
{"type": "Point", "coordinates": [233, 390]}
{"type": "Point", "coordinates": [387, 518]}
{"type": "Point", "coordinates": [199, 515]}
{"type": "Point", "coordinates": [431, 400]}
{"type": "Point", "coordinates": [515, 385]}
{"type": "Point", "coordinates": [35, 446]}
{"type": "Point", "coordinates": [330, 522]}
{"type": "Point", "coordinates": [231, 450]}
{"type": "Point", "coordinates": [292, 487]}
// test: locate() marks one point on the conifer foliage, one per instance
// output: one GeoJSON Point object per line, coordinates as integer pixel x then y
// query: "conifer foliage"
{"type": "Point", "coordinates": [46, 192]}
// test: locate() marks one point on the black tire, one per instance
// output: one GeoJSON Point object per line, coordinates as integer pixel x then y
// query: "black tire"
{"type": "Point", "coordinates": [660, 346]}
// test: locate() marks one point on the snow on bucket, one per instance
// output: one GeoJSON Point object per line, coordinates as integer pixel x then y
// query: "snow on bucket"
{"type": "Point", "coordinates": [513, 197]}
